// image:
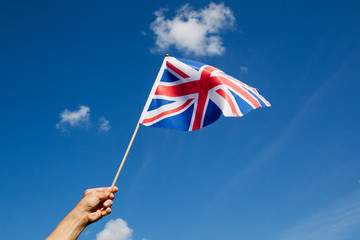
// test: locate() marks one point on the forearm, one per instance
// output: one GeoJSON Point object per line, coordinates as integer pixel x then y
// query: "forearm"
{"type": "Point", "coordinates": [70, 227]}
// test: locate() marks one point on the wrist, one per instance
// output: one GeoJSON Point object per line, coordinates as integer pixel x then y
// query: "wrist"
{"type": "Point", "coordinates": [79, 216]}
{"type": "Point", "coordinates": [70, 227]}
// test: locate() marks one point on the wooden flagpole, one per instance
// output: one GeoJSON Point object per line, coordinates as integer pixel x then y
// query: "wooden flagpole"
{"type": "Point", "coordinates": [125, 156]}
{"type": "Point", "coordinates": [133, 137]}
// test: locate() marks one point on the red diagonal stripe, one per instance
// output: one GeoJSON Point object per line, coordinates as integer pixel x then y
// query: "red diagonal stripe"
{"type": "Point", "coordinates": [148, 120]}
{"type": "Point", "coordinates": [251, 89]}
{"type": "Point", "coordinates": [229, 100]}
{"type": "Point", "coordinates": [175, 69]}
{"type": "Point", "coordinates": [241, 91]}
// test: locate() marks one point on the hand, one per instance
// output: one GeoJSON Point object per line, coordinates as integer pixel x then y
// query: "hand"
{"type": "Point", "coordinates": [96, 203]}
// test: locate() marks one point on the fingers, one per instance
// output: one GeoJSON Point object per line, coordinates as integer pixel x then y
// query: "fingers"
{"type": "Point", "coordinates": [108, 203]}
{"type": "Point", "coordinates": [106, 209]}
{"type": "Point", "coordinates": [106, 189]}
{"type": "Point", "coordinates": [102, 211]}
{"type": "Point", "coordinates": [105, 193]}
{"type": "Point", "coordinates": [95, 196]}
{"type": "Point", "coordinates": [93, 217]}
{"type": "Point", "coordinates": [97, 203]}
{"type": "Point", "coordinates": [105, 212]}
{"type": "Point", "coordinates": [101, 190]}
{"type": "Point", "coordinates": [115, 189]}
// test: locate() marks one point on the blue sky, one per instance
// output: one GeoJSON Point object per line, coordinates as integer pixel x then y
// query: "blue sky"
{"type": "Point", "coordinates": [291, 171]}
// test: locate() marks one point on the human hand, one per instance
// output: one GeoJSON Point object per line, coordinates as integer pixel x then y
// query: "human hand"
{"type": "Point", "coordinates": [95, 204]}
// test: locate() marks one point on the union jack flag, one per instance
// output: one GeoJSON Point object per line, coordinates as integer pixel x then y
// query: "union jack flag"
{"type": "Point", "coordinates": [189, 95]}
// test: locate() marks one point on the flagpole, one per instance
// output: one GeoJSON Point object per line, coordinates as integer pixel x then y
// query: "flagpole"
{"type": "Point", "coordinates": [137, 127]}
{"type": "Point", "coordinates": [125, 156]}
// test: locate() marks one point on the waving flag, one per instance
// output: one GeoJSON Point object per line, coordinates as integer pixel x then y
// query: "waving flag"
{"type": "Point", "coordinates": [189, 95]}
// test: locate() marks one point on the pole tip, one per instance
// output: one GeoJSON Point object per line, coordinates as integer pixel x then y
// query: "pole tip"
{"type": "Point", "coordinates": [166, 55]}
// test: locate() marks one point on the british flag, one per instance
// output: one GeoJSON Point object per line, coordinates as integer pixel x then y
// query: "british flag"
{"type": "Point", "coordinates": [189, 95]}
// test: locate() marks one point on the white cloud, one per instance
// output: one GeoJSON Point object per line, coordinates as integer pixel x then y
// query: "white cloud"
{"type": "Point", "coordinates": [104, 125]}
{"type": "Point", "coordinates": [244, 69]}
{"type": "Point", "coordinates": [195, 32]}
{"type": "Point", "coordinates": [115, 230]}
{"type": "Point", "coordinates": [79, 118]}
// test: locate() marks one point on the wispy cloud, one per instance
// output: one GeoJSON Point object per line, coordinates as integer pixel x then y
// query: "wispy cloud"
{"type": "Point", "coordinates": [115, 230]}
{"type": "Point", "coordinates": [104, 125]}
{"type": "Point", "coordinates": [195, 32]}
{"type": "Point", "coordinates": [274, 148]}
{"type": "Point", "coordinates": [244, 69]}
{"type": "Point", "coordinates": [79, 118]}
{"type": "Point", "coordinates": [335, 222]}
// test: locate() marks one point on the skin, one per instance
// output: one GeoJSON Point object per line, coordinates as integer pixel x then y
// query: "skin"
{"type": "Point", "coordinates": [95, 204]}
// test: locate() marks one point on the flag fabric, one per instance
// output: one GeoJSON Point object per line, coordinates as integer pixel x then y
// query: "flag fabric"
{"type": "Point", "coordinates": [189, 95]}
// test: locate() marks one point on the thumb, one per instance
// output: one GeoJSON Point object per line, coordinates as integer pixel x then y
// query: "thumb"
{"type": "Point", "coordinates": [104, 193]}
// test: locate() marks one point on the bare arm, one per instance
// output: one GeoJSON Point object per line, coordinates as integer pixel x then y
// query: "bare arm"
{"type": "Point", "coordinates": [95, 204]}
